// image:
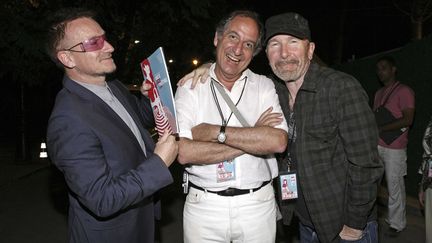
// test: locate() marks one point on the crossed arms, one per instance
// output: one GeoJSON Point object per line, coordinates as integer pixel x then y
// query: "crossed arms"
{"type": "Point", "coordinates": [261, 139]}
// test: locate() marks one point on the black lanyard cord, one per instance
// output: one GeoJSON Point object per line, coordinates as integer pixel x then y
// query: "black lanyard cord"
{"type": "Point", "coordinates": [291, 138]}
{"type": "Point", "coordinates": [224, 123]}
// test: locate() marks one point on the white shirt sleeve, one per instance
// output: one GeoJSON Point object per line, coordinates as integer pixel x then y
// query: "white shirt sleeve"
{"type": "Point", "coordinates": [269, 98]}
{"type": "Point", "coordinates": [185, 106]}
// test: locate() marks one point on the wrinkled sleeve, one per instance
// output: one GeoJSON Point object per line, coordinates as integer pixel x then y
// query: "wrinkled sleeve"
{"type": "Point", "coordinates": [358, 130]}
{"type": "Point", "coordinates": [185, 100]}
{"type": "Point", "coordinates": [271, 99]}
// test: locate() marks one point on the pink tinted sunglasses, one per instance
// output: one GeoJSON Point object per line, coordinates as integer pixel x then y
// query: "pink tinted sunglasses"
{"type": "Point", "coordinates": [92, 44]}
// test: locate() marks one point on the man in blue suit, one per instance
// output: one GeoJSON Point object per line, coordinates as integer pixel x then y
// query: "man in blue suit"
{"type": "Point", "coordinates": [97, 138]}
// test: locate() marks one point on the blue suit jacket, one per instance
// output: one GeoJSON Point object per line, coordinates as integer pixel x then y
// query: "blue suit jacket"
{"type": "Point", "coordinates": [111, 181]}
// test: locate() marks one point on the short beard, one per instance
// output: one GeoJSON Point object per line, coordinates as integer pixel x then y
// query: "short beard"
{"type": "Point", "coordinates": [290, 76]}
{"type": "Point", "coordinates": [287, 76]}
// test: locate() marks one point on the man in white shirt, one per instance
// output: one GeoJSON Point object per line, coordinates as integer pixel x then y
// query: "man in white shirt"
{"type": "Point", "coordinates": [230, 162]}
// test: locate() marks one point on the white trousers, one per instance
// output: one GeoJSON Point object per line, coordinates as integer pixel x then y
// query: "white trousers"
{"type": "Point", "coordinates": [249, 218]}
{"type": "Point", "coordinates": [395, 170]}
{"type": "Point", "coordinates": [428, 215]}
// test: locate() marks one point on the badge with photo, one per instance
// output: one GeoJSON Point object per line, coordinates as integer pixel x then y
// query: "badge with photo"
{"type": "Point", "coordinates": [287, 186]}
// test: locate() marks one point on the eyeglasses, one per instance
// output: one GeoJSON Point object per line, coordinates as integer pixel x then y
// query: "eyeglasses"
{"type": "Point", "coordinates": [92, 44]}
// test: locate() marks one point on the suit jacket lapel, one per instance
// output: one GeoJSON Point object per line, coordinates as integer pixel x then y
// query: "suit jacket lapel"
{"type": "Point", "coordinates": [134, 113]}
{"type": "Point", "coordinates": [102, 107]}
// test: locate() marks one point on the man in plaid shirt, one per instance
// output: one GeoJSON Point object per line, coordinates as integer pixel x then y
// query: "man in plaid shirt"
{"type": "Point", "coordinates": [332, 139]}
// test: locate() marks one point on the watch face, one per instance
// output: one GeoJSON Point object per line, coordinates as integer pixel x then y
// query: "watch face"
{"type": "Point", "coordinates": [221, 137]}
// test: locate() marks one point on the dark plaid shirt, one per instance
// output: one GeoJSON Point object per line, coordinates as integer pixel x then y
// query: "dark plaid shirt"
{"type": "Point", "coordinates": [336, 150]}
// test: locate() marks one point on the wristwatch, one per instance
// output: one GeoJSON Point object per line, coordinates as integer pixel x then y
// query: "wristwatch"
{"type": "Point", "coordinates": [222, 136]}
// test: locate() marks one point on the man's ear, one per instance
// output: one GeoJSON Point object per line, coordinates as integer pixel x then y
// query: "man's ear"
{"type": "Point", "coordinates": [65, 58]}
{"type": "Point", "coordinates": [215, 40]}
{"type": "Point", "coordinates": [311, 50]}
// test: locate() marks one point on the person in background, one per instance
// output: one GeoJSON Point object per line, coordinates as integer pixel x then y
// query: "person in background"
{"type": "Point", "coordinates": [398, 99]}
{"type": "Point", "coordinates": [229, 157]}
{"type": "Point", "coordinates": [425, 186]}
{"type": "Point", "coordinates": [97, 137]}
{"type": "Point", "coordinates": [332, 145]}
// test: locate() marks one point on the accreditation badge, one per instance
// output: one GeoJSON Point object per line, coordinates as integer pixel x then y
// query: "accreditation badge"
{"type": "Point", "coordinates": [287, 186]}
{"type": "Point", "coordinates": [225, 171]}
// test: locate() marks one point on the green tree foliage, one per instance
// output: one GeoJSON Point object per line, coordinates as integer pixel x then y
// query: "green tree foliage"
{"type": "Point", "coordinates": [180, 26]}
{"type": "Point", "coordinates": [20, 46]}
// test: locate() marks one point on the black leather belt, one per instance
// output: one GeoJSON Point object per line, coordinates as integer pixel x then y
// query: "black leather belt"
{"type": "Point", "coordinates": [230, 192]}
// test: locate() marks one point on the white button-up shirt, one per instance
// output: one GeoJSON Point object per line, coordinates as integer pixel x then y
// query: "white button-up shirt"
{"type": "Point", "coordinates": [196, 106]}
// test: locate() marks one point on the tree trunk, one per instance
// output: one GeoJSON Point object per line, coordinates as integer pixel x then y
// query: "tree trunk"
{"type": "Point", "coordinates": [338, 55]}
{"type": "Point", "coordinates": [124, 45]}
{"type": "Point", "coordinates": [22, 152]}
{"type": "Point", "coordinates": [417, 30]}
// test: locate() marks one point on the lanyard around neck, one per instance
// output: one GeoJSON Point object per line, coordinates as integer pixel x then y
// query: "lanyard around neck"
{"type": "Point", "coordinates": [224, 122]}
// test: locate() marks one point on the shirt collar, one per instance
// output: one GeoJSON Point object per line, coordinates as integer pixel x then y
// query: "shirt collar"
{"type": "Point", "coordinates": [104, 92]}
{"type": "Point", "coordinates": [311, 79]}
{"type": "Point", "coordinates": [241, 79]}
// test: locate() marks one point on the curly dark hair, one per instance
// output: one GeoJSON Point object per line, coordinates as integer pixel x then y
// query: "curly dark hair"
{"type": "Point", "coordinates": [223, 25]}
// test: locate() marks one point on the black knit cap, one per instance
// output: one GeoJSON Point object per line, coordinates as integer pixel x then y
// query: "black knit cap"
{"type": "Point", "coordinates": [288, 23]}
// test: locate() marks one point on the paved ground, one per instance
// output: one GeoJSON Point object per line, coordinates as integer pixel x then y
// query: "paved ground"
{"type": "Point", "coordinates": [33, 208]}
